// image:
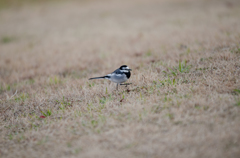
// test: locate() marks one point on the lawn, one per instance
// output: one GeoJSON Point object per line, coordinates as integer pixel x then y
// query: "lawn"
{"type": "Point", "coordinates": [184, 100]}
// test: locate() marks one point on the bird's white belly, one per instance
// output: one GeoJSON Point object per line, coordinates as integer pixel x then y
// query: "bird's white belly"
{"type": "Point", "coordinates": [118, 78]}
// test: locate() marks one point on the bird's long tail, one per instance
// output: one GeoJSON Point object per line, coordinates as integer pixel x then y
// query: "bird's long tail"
{"type": "Point", "coordinates": [104, 77]}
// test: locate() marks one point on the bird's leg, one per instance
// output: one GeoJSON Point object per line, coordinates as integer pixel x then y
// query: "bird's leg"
{"type": "Point", "coordinates": [117, 86]}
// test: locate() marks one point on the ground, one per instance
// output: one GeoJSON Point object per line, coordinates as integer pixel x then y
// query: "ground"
{"type": "Point", "coordinates": [184, 100]}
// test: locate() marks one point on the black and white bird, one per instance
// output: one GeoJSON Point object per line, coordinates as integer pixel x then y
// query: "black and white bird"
{"type": "Point", "coordinates": [118, 76]}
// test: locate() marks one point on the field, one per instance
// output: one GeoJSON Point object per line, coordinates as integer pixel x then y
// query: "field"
{"type": "Point", "coordinates": [184, 100]}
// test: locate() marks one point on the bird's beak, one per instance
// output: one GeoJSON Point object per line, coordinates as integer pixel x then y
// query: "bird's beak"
{"type": "Point", "coordinates": [130, 69]}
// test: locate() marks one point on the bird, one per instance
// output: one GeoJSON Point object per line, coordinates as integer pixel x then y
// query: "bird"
{"type": "Point", "coordinates": [118, 76]}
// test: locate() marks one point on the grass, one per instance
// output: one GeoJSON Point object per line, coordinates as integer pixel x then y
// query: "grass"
{"type": "Point", "coordinates": [7, 39]}
{"type": "Point", "coordinates": [5, 4]}
{"type": "Point", "coordinates": [184, 100]}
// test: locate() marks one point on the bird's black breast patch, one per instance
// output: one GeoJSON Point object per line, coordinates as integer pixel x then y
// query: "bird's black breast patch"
{"type": "Point", "coordinates": [128, 74]}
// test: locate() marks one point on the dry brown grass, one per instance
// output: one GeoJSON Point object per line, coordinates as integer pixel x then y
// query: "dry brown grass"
{"type": "Point", "coordinates": [49, 50]}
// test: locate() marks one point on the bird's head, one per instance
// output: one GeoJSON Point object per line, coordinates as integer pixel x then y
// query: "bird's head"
{"type": "Point", "coordinates": [125, 67]}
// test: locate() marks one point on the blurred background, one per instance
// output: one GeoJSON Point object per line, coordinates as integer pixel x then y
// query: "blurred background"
{"type": "Point", "coordinates": [45, 37]}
